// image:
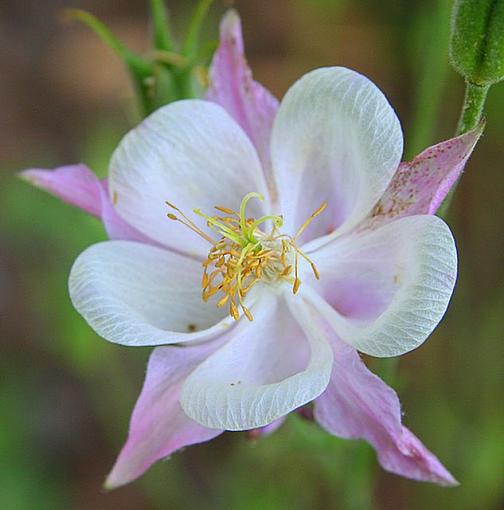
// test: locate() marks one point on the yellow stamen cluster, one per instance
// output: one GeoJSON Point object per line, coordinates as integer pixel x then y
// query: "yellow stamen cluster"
{"type": "Point", "coordinates": [244, 255]}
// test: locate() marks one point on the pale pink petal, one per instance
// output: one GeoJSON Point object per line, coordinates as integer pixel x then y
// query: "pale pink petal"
{"type": "Point", "coordinates": [115, 226]}
{"type": "Point", "coordinates": [359, 405]}
{"type": "Point", "coordinates": [232, 86]}
{"type": "Point", "coordinates": [78, 185]}
{"type": "Point", "coordinates": [420, 186]}
{"type": "Point", "coordinates": [335, 139]}
{"type": "Point", "coordinates": [137, 294]}
{"type": "Point", "coordinates": [74, 184]}
{"type": "Point", "coordinates": [190, 153]}
{"type": "Point", "coordinates": [158, 425]}
{"type": "Point", "coordinates": [385, 290]}
{"type": "Point", "coordinates": [269, 367]}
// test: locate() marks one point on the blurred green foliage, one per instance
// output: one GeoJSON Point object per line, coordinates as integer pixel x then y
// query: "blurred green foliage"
{"type": "Point", "coordinates": [66, 395]}
{"type": "Point", "coordinates": [168, 71]}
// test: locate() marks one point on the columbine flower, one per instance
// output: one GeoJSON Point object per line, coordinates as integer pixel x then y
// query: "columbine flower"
{"type": "Point", "coordinates": [268, 254]}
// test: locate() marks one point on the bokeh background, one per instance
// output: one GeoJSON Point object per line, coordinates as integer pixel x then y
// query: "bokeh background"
{"type": "Point", "coordinates": [66, 395]}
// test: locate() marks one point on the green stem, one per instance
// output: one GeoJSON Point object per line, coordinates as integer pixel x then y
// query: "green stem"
{"type": "Point", "coordinates": [359, 486]}
{"type": "Point", "coordinates": [472, 111]}
{"type": "Point", "coordinates": [386, 368]}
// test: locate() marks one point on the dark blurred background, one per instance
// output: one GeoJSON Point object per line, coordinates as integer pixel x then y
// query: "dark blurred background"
{"type": "Point", "coordinates": [66, 395]}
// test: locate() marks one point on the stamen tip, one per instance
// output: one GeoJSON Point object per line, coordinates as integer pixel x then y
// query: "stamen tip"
{"type": "Point", "coordinates": [233, 311]}
{"type": "Point", "coordinates": [247, 313]}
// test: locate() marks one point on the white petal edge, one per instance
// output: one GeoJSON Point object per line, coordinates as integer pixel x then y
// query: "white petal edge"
{"type": "Point", "coordinates": [426, 267]}
{"type": "Point", "coordinates": [336, 139]}
{"type": "Point", "coordinates": [243, 387]}
{"type": "Point", "coordinates": [192, 154]}
{"type": "Point", "coordinates": [135, 294]}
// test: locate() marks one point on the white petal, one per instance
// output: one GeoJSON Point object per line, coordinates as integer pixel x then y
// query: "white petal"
{"type": "Point", "coordinates": [190, 153]}
{"type": "Point", "coordinates": [336, 139]}
{"type": "Point", "coordinates": [268, 368]}
{"type": "Point", "coordinates": [386, 290]}
{"type": "Point", "coordinates": [136, 294]}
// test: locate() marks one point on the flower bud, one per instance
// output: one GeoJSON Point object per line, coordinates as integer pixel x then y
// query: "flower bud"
{"type": "Point", "coordinates": [477, 40]}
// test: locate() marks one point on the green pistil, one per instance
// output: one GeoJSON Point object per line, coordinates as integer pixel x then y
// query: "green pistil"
{"type": "Point", "coordinates": [221, 228]}
{"type": "Point", "coordinates": [248, 231]}
{"type": "Point", "coordinates": [243, 216]}
{"type": "Point", "coordinates": [245, 237]}
{"type": "Point", "coordinates": [277, 220]}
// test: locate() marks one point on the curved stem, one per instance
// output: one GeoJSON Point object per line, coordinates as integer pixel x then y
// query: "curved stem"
{"type": "Point", "coordinates": [472, 110]}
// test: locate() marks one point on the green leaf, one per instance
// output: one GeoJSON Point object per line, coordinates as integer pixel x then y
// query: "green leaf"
{"type": "Point", "coordinates": [135, 63]}
{"type": "Point", "coordinates": [140, 70]}
{"type": "Point", "coordinates": [190, 45]}
{"type": "Point", "coordinates": [162, 36]}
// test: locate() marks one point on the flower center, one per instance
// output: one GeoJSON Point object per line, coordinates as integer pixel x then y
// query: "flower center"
{"type": "Point", "coordinates": [245, 254]}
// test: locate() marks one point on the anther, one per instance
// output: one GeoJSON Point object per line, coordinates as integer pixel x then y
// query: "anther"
{"type": "Point", "coordinates": [244, 255]}
{"type": "Point", "coordinates": [225, 210]}
{"type": "Point", "coordinates": [233, 311]}
{"type": "Point", "coordinates": [223, 301]}
{"type": "Point", "coordinates": [305, 225]}
{"type": "Point", "coordinates": [247, 313]}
